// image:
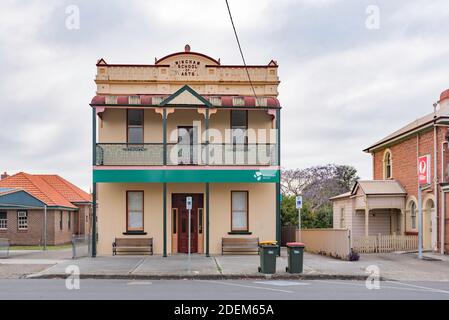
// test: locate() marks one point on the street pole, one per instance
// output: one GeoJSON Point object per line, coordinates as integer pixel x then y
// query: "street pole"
{"type": "Point", "coordinates": [419, 222]}
{"type": "Point", "coordinates": [299, 225]}
{"type": "Point", "coordinates": [190, 262]}
{"type": "Point", "coordinates": [45, 227]}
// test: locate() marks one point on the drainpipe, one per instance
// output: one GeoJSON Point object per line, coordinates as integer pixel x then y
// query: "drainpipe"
{"type": "Point", "coordinates": [443, 202]}
{"type": "Point", "coordinates": [435, 164]}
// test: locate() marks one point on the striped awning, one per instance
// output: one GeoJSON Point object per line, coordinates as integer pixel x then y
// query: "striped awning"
{"type": "Point", "coordinates": [155, 100]}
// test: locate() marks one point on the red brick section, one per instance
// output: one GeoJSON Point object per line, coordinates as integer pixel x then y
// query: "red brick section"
{"type": "Point", "coordinates": [34, 235]}
{"type": "Point", "coordinates": [54, 191]}
{"type": "Point", "coordinates": [404, 156]}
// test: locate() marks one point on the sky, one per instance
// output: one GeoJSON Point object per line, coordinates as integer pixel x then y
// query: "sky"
{"type": "Point", "coordinates": [351, 71]}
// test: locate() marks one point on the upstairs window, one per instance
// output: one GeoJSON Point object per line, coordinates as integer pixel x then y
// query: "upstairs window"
{"type": "Point", "coordinates": [387, 165]}
{"type": "Point", "coordinates": [135, 126]}
{"type": "Point", "coordinates": [239, 126]}
{"type": "Point", "coordinates": [22, 220]}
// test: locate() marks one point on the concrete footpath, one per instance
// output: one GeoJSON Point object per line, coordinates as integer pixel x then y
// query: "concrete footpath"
{"type": "Point", "coordinates": [393, 266]}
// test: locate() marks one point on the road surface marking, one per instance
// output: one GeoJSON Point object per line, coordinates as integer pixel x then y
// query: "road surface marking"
{"type": "Point", "coordinates": [138, 283]}
{"type": "Point", "coordinates": [420, 287]}
{"type": "Point", "coordinates": [245, 286]}
{"type": "Point", "coordinates": [282, 283]}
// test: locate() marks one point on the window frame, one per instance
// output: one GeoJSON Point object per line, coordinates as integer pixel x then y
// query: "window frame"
{"type": "Point", "coordinates": [237, 127]}
{"type": "Point", "coordinates": [388, 166]}
{"type": "Point", "coordinates": [61, 220]}
{"type": "Point", "coordinates": [135, 126]}
{"type": "Point", "coordinates": [136, 230]}
{"type": "Point", "coordinates": [247, 211]}
{"type": "Point", "coordinates": [19, 227]}
{"type": "Point", "coordinates": [413, 214]}
{"type": "Point", "coordinates": [69, 220]}
{"type": "Point", "coordinates": [4, 221]}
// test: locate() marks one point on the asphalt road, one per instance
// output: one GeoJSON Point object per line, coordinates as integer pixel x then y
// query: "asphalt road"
{"type": "Point", "coordinates": [23, 289]}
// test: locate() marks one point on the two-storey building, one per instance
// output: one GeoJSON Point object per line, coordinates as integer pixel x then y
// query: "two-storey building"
{"type": "Point", "coordinates": [186, 125]}
{"type": "Point", "coordinates": [388, 204]}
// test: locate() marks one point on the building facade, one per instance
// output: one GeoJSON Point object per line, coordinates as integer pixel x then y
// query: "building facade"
{"type": "Point", "coordinates": [186, 126]}
{"type": "Point", "coordinates": [395, 160]}
{"type": "Point", "coordinates": [42, 209]}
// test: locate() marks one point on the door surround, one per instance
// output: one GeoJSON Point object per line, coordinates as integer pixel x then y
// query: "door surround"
{"type": "Point", "coordinates": [177, 205]}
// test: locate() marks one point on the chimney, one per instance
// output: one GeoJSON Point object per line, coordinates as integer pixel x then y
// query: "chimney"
{"type": "Point", "coordinates": [444, 98]}
{"type": "Point", "coordinates": [4, 175]}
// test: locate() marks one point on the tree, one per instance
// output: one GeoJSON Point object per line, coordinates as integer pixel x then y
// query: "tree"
{"type": "Point", "coordinates": [317, 185]}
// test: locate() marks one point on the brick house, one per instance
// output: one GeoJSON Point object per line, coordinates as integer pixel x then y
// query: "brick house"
{"type": "Point", "coordinates": [29, 202]}
{"type": "Point", "coordinates": [395, 161]}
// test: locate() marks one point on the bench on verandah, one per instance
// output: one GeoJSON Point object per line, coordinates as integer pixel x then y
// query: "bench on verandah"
{"type": "Point", "coordinates": [239, 245]}
{"type": "Point", "coordinates": [132, 245]}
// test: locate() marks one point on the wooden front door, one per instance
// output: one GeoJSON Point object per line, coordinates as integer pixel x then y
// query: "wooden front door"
{"type": "Point", "coordinates": [179, 202]}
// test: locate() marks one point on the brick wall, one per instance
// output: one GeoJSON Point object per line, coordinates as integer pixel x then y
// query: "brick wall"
{"type": "Point", "coordinates": [34, 235]}
{"type": "Point", "coordinates": [404, 155]}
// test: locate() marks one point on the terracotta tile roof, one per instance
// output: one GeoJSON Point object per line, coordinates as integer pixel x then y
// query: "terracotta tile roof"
{"type": "Point", "coordinates": [68, 190]}
{"type": "Point", "coordinates": [50, 189]}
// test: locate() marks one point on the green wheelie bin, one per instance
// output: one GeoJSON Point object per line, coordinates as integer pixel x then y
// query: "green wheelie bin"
{"type": "Point", "coordinates": [295, 257]}
{"type": "Point", "coordinates": [268, 253]}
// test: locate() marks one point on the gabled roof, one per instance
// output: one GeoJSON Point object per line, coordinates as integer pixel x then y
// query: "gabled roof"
{"type": "Point", "coordinates": [374, 187]}
{"type": "Point", "coordinates": [18, 199]}
{"type": "Point", "coordinates": [420, 123]}
{"type": "Point", "coordinates": [52, 190]}
{"type": "Point", "coordinates": [195, 97]}
{"type": "Point", "coordinates": [379, 187]}
{"type": "Point", "coordinates": [68, 190]}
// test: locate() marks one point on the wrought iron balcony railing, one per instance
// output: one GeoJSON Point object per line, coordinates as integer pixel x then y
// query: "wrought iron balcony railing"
{"type": "Point", "coordinates": [147, 154]}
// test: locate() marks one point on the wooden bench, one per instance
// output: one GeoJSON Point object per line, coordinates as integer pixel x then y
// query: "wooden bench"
{"type": "Point", "coordinates": [4, 248]}
{"type": "Point", "coordinates": [132, 245]}
{"type": "Point", "coordinates": [239, 245]}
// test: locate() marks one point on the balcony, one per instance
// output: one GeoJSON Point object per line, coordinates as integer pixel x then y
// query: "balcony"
{"type": "Point", "coordinates": [216, 154]}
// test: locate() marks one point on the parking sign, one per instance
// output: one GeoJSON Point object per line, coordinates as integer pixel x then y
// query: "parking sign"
{"type": "Point", "coordinates": [188, 203]}
{"type": "Point", "coordinates": [298, 202]}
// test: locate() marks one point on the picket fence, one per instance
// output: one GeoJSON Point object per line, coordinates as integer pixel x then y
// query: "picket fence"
{"type": "Point", "coordinates": [384, 243]}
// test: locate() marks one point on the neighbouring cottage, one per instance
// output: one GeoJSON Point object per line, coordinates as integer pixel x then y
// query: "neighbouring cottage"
{"type": "Point", "coordinates": [31, 204]}
{"type": "Point", "coordinates": [388, 204]}
{"type": "Point", "coordinates": [185, 126]}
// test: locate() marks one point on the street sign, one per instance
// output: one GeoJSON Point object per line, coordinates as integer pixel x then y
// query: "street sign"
{"type": "Point", "coordinates": [424, 169]}
{"type": "Point", "coordinates": [189, 203]}
{"type": "Point", "coordinates": [298, 202]}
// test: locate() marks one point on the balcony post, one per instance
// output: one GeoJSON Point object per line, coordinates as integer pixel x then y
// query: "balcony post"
{"type": "Point", "coordinates": [207, 219]}
{"type": "Point", "coordinates": [164, 136]}
{"type": "Point", "coordinates": [164, 193]}
{"type": "Point", "coordinates": [164, 203]}
{"type": "Point", "coordinates": [278, 183]}
{"type": "Point", "coordinates": [206, 124]}
{"type": "Point", "coordinates": [94, 185]}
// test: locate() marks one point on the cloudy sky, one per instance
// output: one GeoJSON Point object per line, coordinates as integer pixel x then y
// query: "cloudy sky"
{"type": "Point", "coordinates": [347, 78]}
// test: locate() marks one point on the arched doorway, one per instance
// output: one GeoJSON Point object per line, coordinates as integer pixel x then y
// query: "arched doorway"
{"type": "Point", "coordinates": [429, 225]}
